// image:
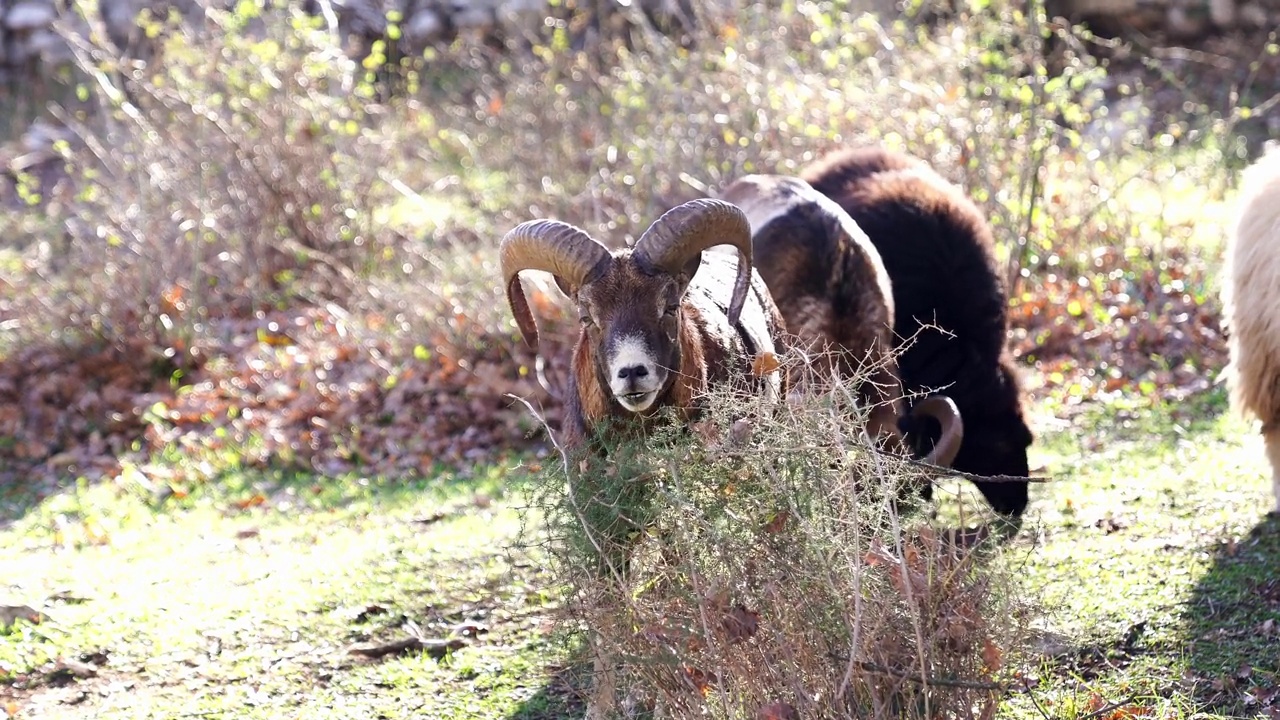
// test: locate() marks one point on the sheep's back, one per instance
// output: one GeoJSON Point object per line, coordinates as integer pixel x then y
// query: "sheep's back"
{"type": "Point", "coordinates": [937, 249]}
{"type": "Point", "coordinates": [730, 351]}
{"type": "Point", "coordinates": [1251, 296]}
{"type": "Point", "coordinates": [829, 284]}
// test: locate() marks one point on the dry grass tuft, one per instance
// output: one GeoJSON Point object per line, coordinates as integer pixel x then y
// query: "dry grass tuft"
{"type": "Point", "coordinates": [770, 564]}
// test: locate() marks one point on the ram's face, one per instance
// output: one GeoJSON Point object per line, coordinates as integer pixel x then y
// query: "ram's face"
{"type": "Point", "coordinates": [632, 319]}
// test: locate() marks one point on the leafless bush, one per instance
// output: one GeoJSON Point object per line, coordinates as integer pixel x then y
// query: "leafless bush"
{"type": "Point", "coordinates": [230, 175]}
{"type": "Point", "coordinates": [778, 567]}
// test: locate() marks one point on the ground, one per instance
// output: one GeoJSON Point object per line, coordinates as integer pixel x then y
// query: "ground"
{"type": "Point", "coordinates": [1150, 551]}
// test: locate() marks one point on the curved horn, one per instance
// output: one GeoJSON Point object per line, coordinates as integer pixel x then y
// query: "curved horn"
{"type": "Point", "coordinates": [674, 243]}
{"type": "Point", "coordinates": [944, 410]}
{"type": "Point", "coordinates": [559, 248]}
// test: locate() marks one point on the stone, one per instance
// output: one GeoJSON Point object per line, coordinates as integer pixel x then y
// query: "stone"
{"type": "Point", "coordinates": [1183, 23]}
{"type": "Point", "coordinates": [50, 47]}
{"type": "Point", "coordinates": [423, 26]}
{"type": "Point", "coordinates": [1222, 13]}
{"type": "Point", "coordinates": [474, 19]}
{"type": "Point", "coordinates": [30, 15]}
{"type": "Point", "coordinates": [1252, 15]}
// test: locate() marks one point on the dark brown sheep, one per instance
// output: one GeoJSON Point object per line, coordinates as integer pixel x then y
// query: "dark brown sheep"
{"type": "Point", "coordinates": [833, 291]}
{"type": "Point", "coordinates": [950, 305]}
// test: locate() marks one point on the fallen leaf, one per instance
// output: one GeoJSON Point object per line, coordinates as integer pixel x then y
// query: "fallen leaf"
{"type": "Point", "coordinates": [251, 501]}
{"type": "Point", "coordinates": [992, 657]}
{"type": "Point", "coordinates": [764, 364]}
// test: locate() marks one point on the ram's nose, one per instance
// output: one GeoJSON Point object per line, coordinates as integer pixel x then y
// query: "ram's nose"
{"type": "Point", "coordinates": [633, 372]}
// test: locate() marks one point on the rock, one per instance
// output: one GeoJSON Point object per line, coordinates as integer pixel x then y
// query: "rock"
{"type": "Point", "coordinates": [1252, 15]}
{"type": "Point", "coordinates": [30, 15]}
{"type": "Point", "coordinates": [1183, 23]}
{"type": "Point", "coordinates": [423, 26]}
{"type": "Point", "coordinates": [473, 15]}
{"type": "Point", "coordinates": [1222, 13]}
{"type": "Point", "coordinates": [363, 18]}
{"type": "Point", "coordinates": [42, 135]}
{"type": "Point", "coordinates": [10, 614]}
{"type": "Point", "coordinates": [49, 47]}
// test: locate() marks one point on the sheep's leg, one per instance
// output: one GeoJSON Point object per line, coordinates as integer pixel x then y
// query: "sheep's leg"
{"type": "Point", "coordinates": [1271, 436]}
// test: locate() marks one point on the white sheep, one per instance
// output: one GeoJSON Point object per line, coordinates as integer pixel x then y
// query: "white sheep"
{"type": "Point", "coordinates": [1251, 302]}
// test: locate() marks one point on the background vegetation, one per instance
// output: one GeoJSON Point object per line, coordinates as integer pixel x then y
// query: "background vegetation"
{"type": "Point", "coordinates": [248, 300]}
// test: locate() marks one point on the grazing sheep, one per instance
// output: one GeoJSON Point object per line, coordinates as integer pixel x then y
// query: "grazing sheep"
{"type": "Point", "coordinates": [950, 305]}
{"type": "Point", "coordinates": [833, 292]}
{"type": "Point", "coordinates": [660, 322]}
{"type": "Point", "coordinates": [1251, 304]}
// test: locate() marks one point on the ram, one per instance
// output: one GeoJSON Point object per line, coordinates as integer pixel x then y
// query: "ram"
{"type": "Point", "coordinates": [661, 324]}
{"type": "Point", "coordinates": [834, 295]}
{"type": "Point", "coordinates": [1251, 304]}
{"type": "Point", "coordinates": [950, 305]}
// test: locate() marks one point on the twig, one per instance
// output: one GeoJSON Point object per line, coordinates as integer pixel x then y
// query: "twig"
{"type": "Point", "coordinates": [1026, 687]}
{"type": "Point", "coordinates": [1109, 708]}
{"type": "Point", "coordinates": [436, 649]}
{"type": "Point", "coordinates": [939, 470]}
{"type": "Point", "coordinates": [921, 679]}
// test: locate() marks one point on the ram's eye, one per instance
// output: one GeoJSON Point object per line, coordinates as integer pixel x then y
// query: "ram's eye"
{"type": "Point", "coordinates": [671, 310]}
{"type": "Point", "coordinates": [586, 319]}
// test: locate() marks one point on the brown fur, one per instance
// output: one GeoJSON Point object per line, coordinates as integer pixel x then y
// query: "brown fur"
{"type": "Point", "coordinates": [830, 287]}
{"type": "Point", "coordinates": [711, 352]}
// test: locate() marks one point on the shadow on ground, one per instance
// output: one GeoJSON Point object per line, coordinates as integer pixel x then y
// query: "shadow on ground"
{"type": "Point", "coordinates": [1233, 626]}
{"type": "Point", "coordinates": [564, 696]}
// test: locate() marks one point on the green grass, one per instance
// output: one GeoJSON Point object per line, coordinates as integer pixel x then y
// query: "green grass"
{"type": "Point", "coordinates": [1150, 552]}
{"type": "Point", "coordinates": [1152, 555]}
{"type": "Point", "coordinates": [215, 609]}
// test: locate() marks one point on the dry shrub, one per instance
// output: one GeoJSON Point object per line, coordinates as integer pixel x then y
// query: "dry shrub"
{"type": "Point", "coordinates": [770, 562]}
{"type": "Point", "coordinates": [230, 175]}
